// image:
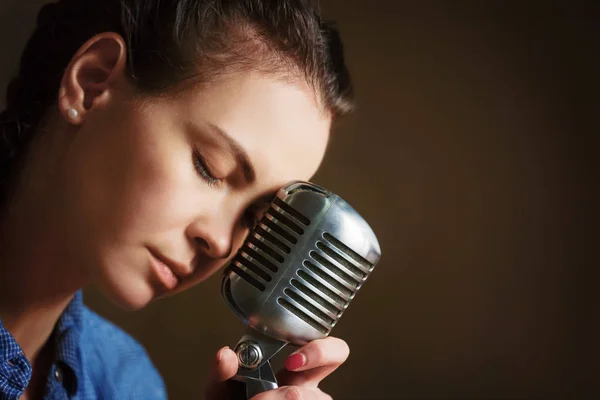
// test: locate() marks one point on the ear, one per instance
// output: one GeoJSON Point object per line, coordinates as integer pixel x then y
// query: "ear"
{"type": "Point", "coordinates": [90, 78]}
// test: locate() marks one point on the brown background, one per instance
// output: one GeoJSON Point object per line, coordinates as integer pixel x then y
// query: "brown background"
{"type": "Point", "coordinates": [472, 157]}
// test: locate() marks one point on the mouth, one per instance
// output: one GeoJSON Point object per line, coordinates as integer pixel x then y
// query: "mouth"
{"type": "Point", "coordinates": [170, 274]}
{"type": "Point", "coordinates": [166, 277]}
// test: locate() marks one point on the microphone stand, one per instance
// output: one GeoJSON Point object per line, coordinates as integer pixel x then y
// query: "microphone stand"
{"type": "Point", "coordinates": [254, 351]}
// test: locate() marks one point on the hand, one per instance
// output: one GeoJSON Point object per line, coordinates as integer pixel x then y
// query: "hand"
{"type": "Point", "coordinates": [304, 370]}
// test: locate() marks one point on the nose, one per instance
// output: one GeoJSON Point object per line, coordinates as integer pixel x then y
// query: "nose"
{"type": "Point", "coordinates": [217, 248]}
{"type": "Point", "coordinates": [212, 236]}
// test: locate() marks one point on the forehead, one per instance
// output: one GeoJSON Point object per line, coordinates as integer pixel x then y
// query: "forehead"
{"type": "Point", "coordinates": [279, 124]}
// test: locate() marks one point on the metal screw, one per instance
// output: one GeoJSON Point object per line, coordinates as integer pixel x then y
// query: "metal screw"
{"type": "Point", "coordinates": [249, 354]}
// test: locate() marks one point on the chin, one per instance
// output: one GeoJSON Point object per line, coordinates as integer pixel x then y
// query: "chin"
{"type": "Point", "coordinates": [130, 302]}
{"type": "Point", "coordinates": [130, 293]}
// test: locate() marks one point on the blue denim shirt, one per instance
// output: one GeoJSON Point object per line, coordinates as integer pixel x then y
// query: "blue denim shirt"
{"type": "Point", "coordinates": [93, 359]}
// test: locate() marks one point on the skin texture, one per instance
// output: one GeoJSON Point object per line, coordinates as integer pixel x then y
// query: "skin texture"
{"type": "Point", "coordinates": [104, 196]}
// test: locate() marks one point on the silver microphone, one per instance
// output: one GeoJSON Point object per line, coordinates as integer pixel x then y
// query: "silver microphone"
{"type": "Point", "coordinates": [294, 276]}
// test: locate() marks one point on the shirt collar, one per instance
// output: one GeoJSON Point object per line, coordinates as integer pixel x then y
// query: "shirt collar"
{"type": "Point", "coordinates": [67, 336]}
{"type": "Point", "coordinates": [8, 347]}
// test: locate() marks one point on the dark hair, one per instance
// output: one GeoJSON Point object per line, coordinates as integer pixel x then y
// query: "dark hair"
{"type": "Point", "coordinates": [171, 42]}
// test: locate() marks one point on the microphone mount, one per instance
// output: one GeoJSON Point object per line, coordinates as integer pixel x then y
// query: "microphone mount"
{"type": "Point", "coordinates": [254, 351]}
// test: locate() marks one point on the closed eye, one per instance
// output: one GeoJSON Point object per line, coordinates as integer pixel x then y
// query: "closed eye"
{"type": "Point", "coordinates": [202, 169]}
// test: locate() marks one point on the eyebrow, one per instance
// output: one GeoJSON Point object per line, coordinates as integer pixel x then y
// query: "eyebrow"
{"type": "Point", "coordinates": [237, 151]}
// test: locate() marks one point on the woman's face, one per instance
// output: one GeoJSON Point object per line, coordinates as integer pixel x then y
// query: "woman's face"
{"type": "Point", "coordinates": [172, 181]}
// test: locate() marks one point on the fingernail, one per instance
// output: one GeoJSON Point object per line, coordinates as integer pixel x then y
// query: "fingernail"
{"type": "Point", "coordinates": [220, 354]}
{"type": "Point", "coordinates": [295, 361]}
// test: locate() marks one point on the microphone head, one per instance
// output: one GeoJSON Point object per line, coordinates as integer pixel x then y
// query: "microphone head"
{"type": "Point", "coordinates": [301, 266]}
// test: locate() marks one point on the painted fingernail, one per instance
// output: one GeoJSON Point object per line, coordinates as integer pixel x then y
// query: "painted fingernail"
{"type": "Point", "coordinates": [295, 361]}
{"type": "Point", "coordinates": [220, 354]}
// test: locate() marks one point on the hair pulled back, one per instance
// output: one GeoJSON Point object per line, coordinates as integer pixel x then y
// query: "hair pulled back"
{"type": "Point", "coordinates": [168, 43]}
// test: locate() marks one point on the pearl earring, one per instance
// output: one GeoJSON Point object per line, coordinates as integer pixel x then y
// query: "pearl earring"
{"type": "Point", "coordinates": [73, 113]}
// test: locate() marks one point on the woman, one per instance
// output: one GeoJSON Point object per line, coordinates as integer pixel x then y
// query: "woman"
{"type": "Point", "coordinates": [141, 140]}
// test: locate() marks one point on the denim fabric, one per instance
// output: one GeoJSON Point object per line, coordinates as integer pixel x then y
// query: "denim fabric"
{"type": "Point", "coordinates": [93, 359]}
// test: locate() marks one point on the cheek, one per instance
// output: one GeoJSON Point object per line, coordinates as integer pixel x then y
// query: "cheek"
{"type": "Point", "coordinates": [133, 179]}
{"type": "Point", "coordinates": [160, 192]}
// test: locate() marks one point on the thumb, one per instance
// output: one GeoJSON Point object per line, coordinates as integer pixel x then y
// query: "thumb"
{"type": "Point", "coordinates": [224, 367]}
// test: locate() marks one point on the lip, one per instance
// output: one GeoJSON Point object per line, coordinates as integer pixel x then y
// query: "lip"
{"type": "Point", "coordinates": [166, 277]}
{"type": "Point", "coordinates": [179, 269]}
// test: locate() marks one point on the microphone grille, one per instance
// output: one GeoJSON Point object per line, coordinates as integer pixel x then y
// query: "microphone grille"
{"type": "Point", "coordinates": [325, 283]}
{"type": "Point", "coordinates": [301, 265]}
{"type": "Point", "coordinates": [269, 244]}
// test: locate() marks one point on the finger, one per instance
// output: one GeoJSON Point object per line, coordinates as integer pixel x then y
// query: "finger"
{"type": "Point", "coordinates": [326, 352]}
{"type": "Point", "coordinates": [310, 378]}
{"type": "Point", "coordinates": [293, 393]}
{"type": "Point", "coordinates": [309, 365]}
{"type": "Point", "coordinates": [223, 367]}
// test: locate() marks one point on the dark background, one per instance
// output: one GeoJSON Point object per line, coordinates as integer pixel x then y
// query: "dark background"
{"type": "Point", "coordinates": [473, 156]}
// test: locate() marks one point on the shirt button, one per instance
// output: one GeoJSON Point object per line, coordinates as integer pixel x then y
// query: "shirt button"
{"type": "Point", "coordinates": [58, 374]}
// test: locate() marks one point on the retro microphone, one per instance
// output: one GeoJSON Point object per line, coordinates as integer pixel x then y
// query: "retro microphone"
{"type": "Point", "coordinates": [295, 275]}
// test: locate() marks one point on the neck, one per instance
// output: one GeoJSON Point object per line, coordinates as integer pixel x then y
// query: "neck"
{"type": "Point", "coordinates": [36, 280]}
{"type": "Point", "coordinates": [35, 288]}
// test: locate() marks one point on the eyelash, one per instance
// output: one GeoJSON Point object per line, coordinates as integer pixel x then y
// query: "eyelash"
{"type": "Point", "coordinates": [203, 170]}
{"type": "Point", "coordinates": [251, 218]}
